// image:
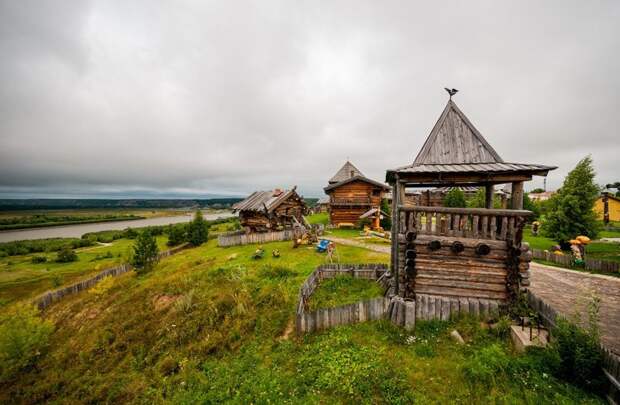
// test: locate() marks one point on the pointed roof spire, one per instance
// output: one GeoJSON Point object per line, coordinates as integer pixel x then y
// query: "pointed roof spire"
{"type": "Point", "coordinates": [455, 140]}
{"type": "Point", "coordinates": [346, 172]}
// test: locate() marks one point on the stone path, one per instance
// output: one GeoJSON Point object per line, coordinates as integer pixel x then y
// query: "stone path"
{"type": "Point", "coordinates": [567, 291]}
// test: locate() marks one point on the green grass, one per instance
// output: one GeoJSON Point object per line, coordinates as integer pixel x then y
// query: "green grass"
{"type": "Point", "coordinates": [342, 290]}
{"type": "Point", "coordinates": [609, 234]}
{"type": "Point", "coordinates": [320, 218]}
{"type": "Point", "coordinates": [20, 278]}
{"type": "Point", "coordinates": [213, 325]}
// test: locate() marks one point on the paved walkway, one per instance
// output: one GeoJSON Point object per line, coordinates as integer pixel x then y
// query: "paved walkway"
{"type": "Point", "coordinates": [567, 291]}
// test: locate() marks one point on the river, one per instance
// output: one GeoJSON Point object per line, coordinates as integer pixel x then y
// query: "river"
{"type": "Point", "coordinates": [76, 231]}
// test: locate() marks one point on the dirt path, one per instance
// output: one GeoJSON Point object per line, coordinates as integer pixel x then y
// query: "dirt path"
{"type": "Point", "coordinates": [350, 242]}
{"type": "Point", "coordinates": [567, 291]}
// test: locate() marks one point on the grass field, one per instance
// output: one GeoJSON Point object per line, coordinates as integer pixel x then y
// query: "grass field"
{"type": "Point", "coordinates": [213, 325]}
{"type": "Point", "coordinates": [342, 290]}
{"type": "Point", "coordinates": [20, 278]}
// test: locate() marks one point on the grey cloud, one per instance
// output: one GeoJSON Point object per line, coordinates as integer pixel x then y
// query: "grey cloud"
{"type": "Point", "coordinates": [106, 97]}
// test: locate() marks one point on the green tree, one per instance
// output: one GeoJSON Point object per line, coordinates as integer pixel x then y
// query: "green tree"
{"type": "Point", "coordinates": [145, 252]}
{"type": "Point", "coordinates": [198, 230]}
{"type": "Point", "coordinates": [570, 209]}
{"type": "Point", "coordinates": [455, 198]}
{"type": "Point", "coordinates": [530, 205]}
{"type": "Point", "coordinates": [177, 234]}
{"type": "Point", "coordinates": [537, 190]}
{"type": "Point", "coordinates": [479, 200]}
{"type": "Point", "coordinates": [66, 255]}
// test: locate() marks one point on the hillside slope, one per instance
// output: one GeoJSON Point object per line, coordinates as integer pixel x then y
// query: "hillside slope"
{"type": "Point", "coordinates": [212, 325]}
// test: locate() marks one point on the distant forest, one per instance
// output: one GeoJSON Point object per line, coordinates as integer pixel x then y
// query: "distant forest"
{"type": "Point", "coordinates": [62, 203]}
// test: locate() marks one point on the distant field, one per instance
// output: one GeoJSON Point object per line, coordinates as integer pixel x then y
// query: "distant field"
{"type": "Point", "coordinates": [11, 220]}
{"type": "Point", "coordinates": [20, 278]}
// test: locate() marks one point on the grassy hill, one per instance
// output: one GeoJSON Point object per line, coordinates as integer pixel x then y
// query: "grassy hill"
{"type": "Point", "coordinates": [212, 325]}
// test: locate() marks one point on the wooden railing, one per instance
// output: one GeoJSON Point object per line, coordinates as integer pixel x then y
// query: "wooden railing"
{"type": "Point", "coordinates": [476, 223]}
{"type": "Point", "coordinates": [353, 201]}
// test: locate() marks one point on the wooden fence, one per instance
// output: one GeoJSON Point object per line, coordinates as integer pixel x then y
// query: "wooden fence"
{"type": "Point", "coordinates": [567, 261]}
{"type": "Point", "coordinates": [50, 297]}
{"type": "Point", "coordinates": [611, 362]}
{"type": "Point", "coordinates": [241, 238]}
{"type": "Point", "coordinates": [324, 318]}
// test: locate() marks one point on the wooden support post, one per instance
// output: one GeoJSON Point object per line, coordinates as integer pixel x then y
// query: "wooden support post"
{"type": "Point", "coordinates": [489, 189]}
{"type": "Point", "coordinates": [517, 195]}
{"type": "Point", "coordinates": [395, 231]}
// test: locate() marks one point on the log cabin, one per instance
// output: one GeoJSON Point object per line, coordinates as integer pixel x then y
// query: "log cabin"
{"type": "Point", "coordinates": [351, 195]}
{"type": "Point", "coordinates": [270, 210]}
{"type": "Point", "coordinates": [466, 256]}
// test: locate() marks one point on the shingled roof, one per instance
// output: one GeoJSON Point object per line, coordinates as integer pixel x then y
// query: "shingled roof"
{"type": "Point", "coordinates": [263, 200]}
{"type": "Point", "coordinates": [456, 146]}
{"type": "Point", "coordinates": [347, 171]}
{"type": "Point", "coordinates": [454, 139]}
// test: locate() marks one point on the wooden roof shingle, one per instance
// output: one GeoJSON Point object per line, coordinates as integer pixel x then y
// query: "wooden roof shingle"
{"type": "Point", "coordinates": [347, 171]}
{"type": "Point", "coordinates": [262, 201]}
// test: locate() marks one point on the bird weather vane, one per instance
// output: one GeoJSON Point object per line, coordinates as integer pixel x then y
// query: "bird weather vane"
{"type": "Point", "coordinates": [451, 92]}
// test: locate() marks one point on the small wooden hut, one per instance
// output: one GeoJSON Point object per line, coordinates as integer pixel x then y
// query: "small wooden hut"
{"type": "Point", "coordinates": [351, 195]}
{"type": "Point", "coordinates": [463, 254]}
{"type": "Point", "coordinates": [271, 210]}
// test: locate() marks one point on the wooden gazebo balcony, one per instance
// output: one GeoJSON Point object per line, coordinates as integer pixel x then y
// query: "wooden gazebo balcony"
{"type": "Point", "coordinates": [476, 223]}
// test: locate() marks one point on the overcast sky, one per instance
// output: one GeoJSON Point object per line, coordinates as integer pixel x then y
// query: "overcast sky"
{"type": "Point", "coordinates": [184, 98]}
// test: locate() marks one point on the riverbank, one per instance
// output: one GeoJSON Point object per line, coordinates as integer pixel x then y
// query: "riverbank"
{"type": "Point", "coordinates": [76, 231]}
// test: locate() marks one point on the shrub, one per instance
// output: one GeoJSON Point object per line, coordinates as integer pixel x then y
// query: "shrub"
{"type": "Point", "coordinates": [38, 259]}
{"type": "Point", "coordinates": [580, 355]}
{"type": "Point", "coordinates": [177, 234]}
{"type": "Point", "coordinates": [102, 286]}
{"type": "Point", "coordinates": [66, 255]}
{"type": "Point", "coordinates": [24, 337]}
{"type": "Point", "coordinates": [145, 252]}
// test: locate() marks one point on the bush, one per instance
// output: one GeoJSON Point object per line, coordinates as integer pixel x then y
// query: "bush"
{"type": "Point", "coordinates": [24, 336]}
{"type": "Point", "coordinates": [580, 356]}
{"type": "Point", "coordinates": [177, 234]}
{"type": "Point", "coordinates": [66, 255]}
{"type": "Point", "coordinates": [386, 222]}
{"type": "Point", "coordinates": [38, 259]}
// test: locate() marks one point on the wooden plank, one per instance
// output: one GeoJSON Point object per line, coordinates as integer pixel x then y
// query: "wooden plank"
{"type": "Point", "coordinates": [467, 211]}
{"type": "Point", "coordinates": [457, 225]}
{"type": "Point", "coordinates": [493, 230]}
{"type": "Point", "coordinates": [460, 292]}
{"type": "Point", "coordinates": [504, 229]}
{"type": "Point", "coordinates": [422, 281]}
{"type": "Point", "coordinates": [475, 231]}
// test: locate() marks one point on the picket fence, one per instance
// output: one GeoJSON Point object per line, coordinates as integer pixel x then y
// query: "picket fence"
{"type": "Point", "coordinates": [611, 362]}
{"type": "Point", "coordinates": [241, 238]}
{"type": "Point", "coordinates": [50, 297]}
{"type": "Point", "coordinates": [324, 318]}
{"type": "Point", "coordinates": [566, 260]}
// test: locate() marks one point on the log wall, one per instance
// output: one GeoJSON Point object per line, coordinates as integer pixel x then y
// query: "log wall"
{"type": "Point", "coordinates": [428, 263]}
{"type": "Point", "coordinates": [351, 200]}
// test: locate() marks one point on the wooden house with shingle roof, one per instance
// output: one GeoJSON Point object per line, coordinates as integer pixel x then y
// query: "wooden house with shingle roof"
{"type": "Point", "coordinates": [351, 195]}
{"type": "Point", "coordinates": [264, 211]}
{"type": "Point", "coordinates": [462, 257]}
